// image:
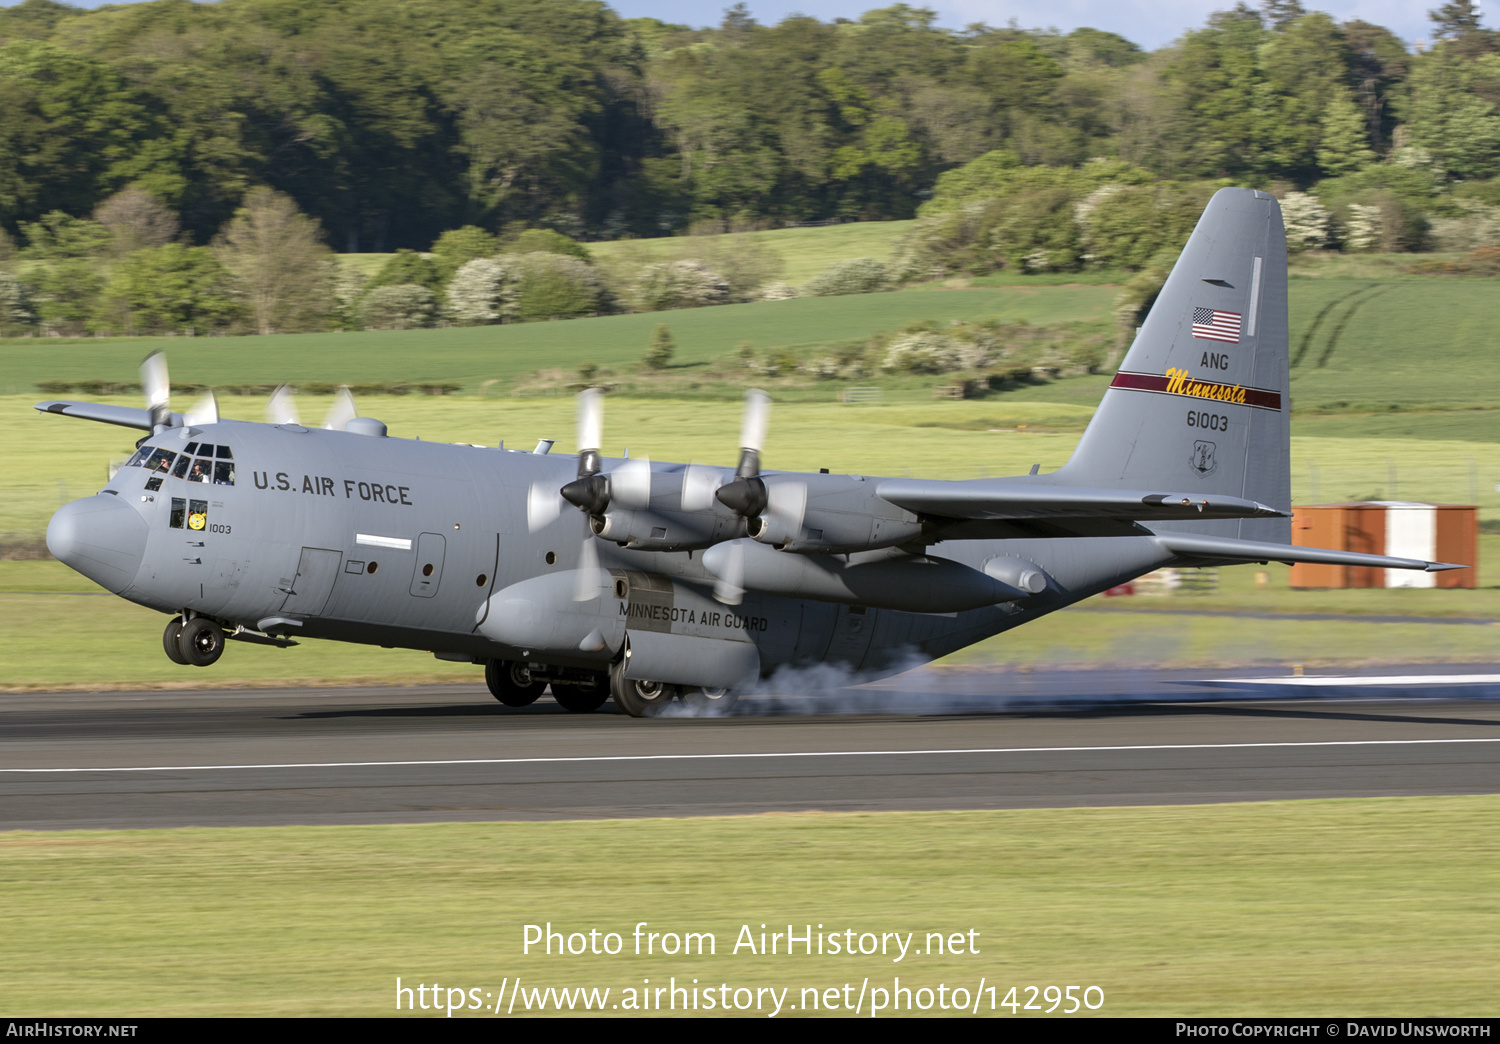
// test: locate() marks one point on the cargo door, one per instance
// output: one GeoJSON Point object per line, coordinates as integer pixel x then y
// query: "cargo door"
{"type": "Point", "coordinates": [428, 571]}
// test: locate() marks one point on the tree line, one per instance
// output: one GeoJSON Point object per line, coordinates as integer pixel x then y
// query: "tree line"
{"type": "Point", "coordinates": [392, 121]}
{"type": "Point", "coordinates": [151, 152]}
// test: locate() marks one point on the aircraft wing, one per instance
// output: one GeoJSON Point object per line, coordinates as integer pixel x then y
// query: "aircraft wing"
{"type": "Point", "coordinates": [995, 499]}
{"type": "Point", "coordinates": [124, 416]}
{"type": "Point", "coordinates": [1228, 549]}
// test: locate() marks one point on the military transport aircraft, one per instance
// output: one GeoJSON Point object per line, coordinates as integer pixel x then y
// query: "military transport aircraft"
{"type": "Point", "coordinates": [685, 581]}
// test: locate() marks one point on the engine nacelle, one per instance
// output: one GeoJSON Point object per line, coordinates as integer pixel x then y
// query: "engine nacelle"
{"type": "Point", "coordinates": [644, 530]}
{"type": "Point", "coordinates": [830, 514]}
{"type": "Point", "coordinates": [885, 579]}
{"type": "Point", "coordinates": [544, 615]}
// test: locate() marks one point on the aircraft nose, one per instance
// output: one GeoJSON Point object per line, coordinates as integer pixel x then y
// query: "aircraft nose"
{"type": "Point", "coordinates": [101, 537]}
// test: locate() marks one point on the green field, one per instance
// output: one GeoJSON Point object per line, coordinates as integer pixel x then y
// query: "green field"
{"type": "Point", "coordinates": [1368, 907]}
{"type": "Point", "coordinates": [805, 252]}
{"type": "Point", "coordinates": [472, 355]}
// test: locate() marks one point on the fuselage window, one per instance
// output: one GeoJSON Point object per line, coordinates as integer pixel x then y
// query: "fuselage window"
{"type": "Point", "coordinates": [198, 514]}
{"type": "Point", "coordinates": [179, 512]}
{"type": "Point", "coordinates": [160, 460]}
{"type": "Point", "coordinates": [223, 471]}
{"type": "Point", "coordinates": [153, 483]}
{"type": "Point", "coordinates": [183, 463]}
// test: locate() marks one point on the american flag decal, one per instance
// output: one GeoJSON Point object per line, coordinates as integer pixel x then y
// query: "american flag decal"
{"type": "Point", "coordinates": [1210, 324]}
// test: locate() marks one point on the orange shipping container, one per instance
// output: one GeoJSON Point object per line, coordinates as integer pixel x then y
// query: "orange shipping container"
{"type": "Point", "coordinates": [1434, 532]}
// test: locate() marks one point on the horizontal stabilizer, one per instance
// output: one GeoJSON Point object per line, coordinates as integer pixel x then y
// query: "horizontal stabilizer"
{"type": "Point", "coordinates": [124, 416]}
{"type": "Point", "coordinates": [1014, 499]}
{"type": "Point", "coordinates": [1232, 550]}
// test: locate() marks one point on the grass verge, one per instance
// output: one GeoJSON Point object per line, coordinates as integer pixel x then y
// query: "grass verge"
{"type": "Point", "coordinates": [1288, 908]}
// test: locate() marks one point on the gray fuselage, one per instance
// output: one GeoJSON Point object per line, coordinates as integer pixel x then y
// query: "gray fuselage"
{"type": "Point", "coordinates": [402, 543]}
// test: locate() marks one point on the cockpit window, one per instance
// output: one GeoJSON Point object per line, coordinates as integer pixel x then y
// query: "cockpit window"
{"type": "Point", "coordinates": [213, 464]}
{"type": "Point", "coordinates": [179, 512]}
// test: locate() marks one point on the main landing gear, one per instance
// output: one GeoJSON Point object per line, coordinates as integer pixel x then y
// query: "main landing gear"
{"type": "Point", "coordinates": [519, 685]}
{"type": "Point", "coordinates": [512, 683]}
{"type": "Point", "coordinates": [198, 642]}
{"type": "Point", "coordinates": [650, 699]}
{"type": "Point", "coordinates": [515, 685]}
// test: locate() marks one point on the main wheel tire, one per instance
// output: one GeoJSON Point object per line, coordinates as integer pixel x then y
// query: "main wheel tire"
{"type": "Point", "coordinates": [201, 642]}
{"type": "Point", "coordinates": [582, 697]}
{"type": "Point", "coordinates": [170, 641]}
{"type": "Point", "coordinates": [639, 699]}
{"type": "Point", "coordinates": [709, 703]}
{"type": "Point", "coordinates": [511, 683]}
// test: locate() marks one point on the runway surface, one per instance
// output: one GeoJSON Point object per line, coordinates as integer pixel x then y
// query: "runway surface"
{"type": "Point", "coordinates": [927, 740]}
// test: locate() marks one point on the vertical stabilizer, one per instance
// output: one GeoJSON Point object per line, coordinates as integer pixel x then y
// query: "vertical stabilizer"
{"type": "Point", "coordinates": [1201, 402]}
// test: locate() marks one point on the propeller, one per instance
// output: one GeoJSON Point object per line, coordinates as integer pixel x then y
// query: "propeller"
{"type": "Point", "coordinates": [592, 492]}
{"type": "Point", "coordinates": [543, 505]}
{"type": "Point", "coordinates": [282, 408]}
{"type": "Point", "coordinates": [342, 411]}
{"type": "Point", "coordinates": [157, 388]}
{"type": "Point", "coordinates": [787, 505]}
{"type": "Point", "coordinates": [698, 487]}
{"type": "Point", "coordinates": [746, 495]}
{"type": "Point", "coordinates": [729, 588]}
{"type": "Point", "coordinates": [203, 412]}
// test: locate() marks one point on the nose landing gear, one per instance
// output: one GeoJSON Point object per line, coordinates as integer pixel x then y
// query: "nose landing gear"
{"type": "Point", "coordinates": [198, 642]}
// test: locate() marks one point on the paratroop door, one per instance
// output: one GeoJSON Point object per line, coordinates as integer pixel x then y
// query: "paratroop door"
{"type": "Point", "coordinates": [316, 571]}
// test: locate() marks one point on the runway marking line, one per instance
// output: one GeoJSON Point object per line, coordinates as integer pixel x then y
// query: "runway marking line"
{"type": "Point", "coordinates": [768, 754]}
{"type": "Point", "coordinates": [1355, 680]}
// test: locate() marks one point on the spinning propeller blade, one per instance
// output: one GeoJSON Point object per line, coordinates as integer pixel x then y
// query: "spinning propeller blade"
{"type": "Point", "coordinates": [281, 408]}
{"type": "Point", "coordinates": [698, 487]}
{"type": "Point", "coordinates": [787, 504]}
{"type": "Point", "coordinates": [591, 579]}
{"type": "Point", "coordinates": [746, 495]}
{"type": "Point", "coordinates": [543, 505]}
{"type": "Point", "coordinates": [156, 386]}
{"type": "Point", "coordinates": [729, 588]}
{"type": "Point", "coordinates": [630, 483]}
{"type": "Point", "coordinates": [205, 411]}
{"type": "Point", "coordinates": [342, 411]}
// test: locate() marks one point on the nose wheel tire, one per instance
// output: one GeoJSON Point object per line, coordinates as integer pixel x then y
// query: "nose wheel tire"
{"type": "Point", "coordinates": [708, 703]}
{"type": "Point", "coordinates": [581, 697]}
{"type": "Point", "coordinates": [201, 642]}
{"type": "Point", "coordinates": [511, 683]}
{"type": "Point", "coordinates": [637, 698]}
{"type": "Point", "coordinates": [170, 641]}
